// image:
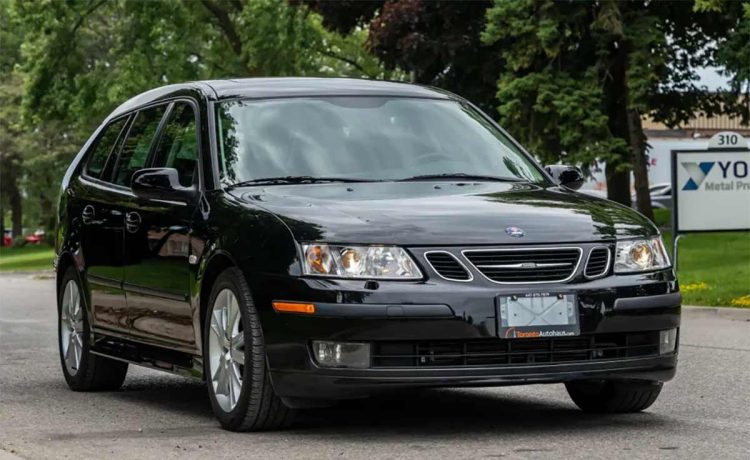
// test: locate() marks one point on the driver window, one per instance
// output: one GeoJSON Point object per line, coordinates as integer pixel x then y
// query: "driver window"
{"type": "Point", "coordinates": [178, 146]}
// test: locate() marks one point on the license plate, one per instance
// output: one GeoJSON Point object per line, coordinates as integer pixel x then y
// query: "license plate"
{"type": "Point", "coordinates": [538, 315]}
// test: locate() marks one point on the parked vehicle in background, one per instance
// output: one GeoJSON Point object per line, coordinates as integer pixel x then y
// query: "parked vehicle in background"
{"type": "Point", "coordinates": [35, 238]}
{"type": "Point", "coordinates": [661, 196]}
{"type": "Point", "coordinates": [7, 238]}
{"type": "Point", "coordinates": [295, 242]}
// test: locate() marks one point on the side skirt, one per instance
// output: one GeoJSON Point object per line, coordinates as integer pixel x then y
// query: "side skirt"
{"type": "Point", "coordinates": [150, 356]}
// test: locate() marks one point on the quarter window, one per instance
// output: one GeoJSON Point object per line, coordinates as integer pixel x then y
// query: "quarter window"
{"type": "Point", "coordinates": [178, 146]}
{"type": "Point", "coordinates": [104, 145]}
{"type": "Point", "coordinates": [136, 147]}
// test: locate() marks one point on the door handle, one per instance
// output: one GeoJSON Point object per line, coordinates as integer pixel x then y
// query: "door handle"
{"type": "Point", "coordinates": [88, 214]}
{"type": "Point", "coordinates": [132, 222]}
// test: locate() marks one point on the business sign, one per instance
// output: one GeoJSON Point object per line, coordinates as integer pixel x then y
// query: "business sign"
{"type": "Point", "coordinates": [712, 188]}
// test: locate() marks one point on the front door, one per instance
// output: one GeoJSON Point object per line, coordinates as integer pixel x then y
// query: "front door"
{"type": "Point", "coordinates": [157, 242]}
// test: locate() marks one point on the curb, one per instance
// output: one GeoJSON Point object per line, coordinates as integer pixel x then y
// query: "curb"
{"type": "Point", "coordinates": [737, 314]}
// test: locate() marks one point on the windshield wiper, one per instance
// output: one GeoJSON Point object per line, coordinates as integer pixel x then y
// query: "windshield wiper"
{"type": "Point", "coordinates": [462, 176]}
{"type": "Point", "coordinates": [296, 180]}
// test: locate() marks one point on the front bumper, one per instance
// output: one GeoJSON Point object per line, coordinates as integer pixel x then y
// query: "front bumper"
{"type": "Point", "coordinates": [439, 311]}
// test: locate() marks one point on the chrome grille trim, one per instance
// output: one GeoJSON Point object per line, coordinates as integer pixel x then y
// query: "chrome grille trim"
{"type": "Point", "coordinates": [463, 265]}
{"type": "Point", "coordinates": [573, 272]}
{"type": "Point", "coordinates": [606, 266]}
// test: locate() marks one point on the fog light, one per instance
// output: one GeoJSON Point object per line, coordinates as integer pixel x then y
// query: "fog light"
{"type": "Point", "coordinates": [341, 354]}
{"type": "Point", "coordinates": [667, 341]}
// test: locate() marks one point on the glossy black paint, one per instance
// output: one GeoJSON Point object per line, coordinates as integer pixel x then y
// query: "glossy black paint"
{"type": "Point", "coordinates": [147, 256]}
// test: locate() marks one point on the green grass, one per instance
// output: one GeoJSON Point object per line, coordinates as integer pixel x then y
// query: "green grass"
{"type": "Point", "coordinates": [714, 268]}
{"type": "Point", "coordinates": [29, 257]}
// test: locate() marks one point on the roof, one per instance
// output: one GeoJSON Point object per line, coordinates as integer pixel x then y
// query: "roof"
{"type": "Point", "coordinates": [261, 88]}
{"type": "Point", "coordinates": [286, 87]}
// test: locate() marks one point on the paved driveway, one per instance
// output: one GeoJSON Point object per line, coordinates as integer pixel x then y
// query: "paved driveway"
{"type": "Point", "coordinates": [704, 413]}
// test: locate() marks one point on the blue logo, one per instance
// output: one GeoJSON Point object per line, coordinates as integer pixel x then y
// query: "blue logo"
{"type": "Point", "coordinates": [697, 172]}
{"type": "Point", "coordinates": [514, 232]}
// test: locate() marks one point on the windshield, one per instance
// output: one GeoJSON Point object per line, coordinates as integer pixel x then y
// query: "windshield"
{"type": "Point", "coordinates": [363, 138]}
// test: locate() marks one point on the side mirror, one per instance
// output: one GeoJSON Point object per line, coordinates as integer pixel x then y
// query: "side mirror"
{"type": "Point", "coordinates": [161, 184]}
{"type": "Point", "coordinates": [569, 176]}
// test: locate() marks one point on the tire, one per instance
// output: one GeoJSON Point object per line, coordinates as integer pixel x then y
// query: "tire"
{"type": "Point", "coordinates": [613, 396]}
{"type": "Point", "coordinates": [82, 370]}
{"type": "Point", "coordinates": [254, 406]}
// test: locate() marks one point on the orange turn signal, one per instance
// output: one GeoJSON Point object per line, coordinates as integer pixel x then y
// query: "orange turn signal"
{"type": "Point", "coordinates": [294, 307]}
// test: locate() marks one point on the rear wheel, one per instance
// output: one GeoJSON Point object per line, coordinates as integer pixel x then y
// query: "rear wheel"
{"type": "Point", "coordinates": [613, 396]}
{"type": "Point", "coordinates": [83, 371]}
{"type": "Point", "coordinates": [239, 386]}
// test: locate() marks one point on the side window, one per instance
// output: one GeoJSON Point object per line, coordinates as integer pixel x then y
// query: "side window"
{"type": "Point", "coordinates": [136, 147]}
{"type": "Point", "coordinates": [178, 146]}
{"type": "Point", "coordinates": [102, 148]}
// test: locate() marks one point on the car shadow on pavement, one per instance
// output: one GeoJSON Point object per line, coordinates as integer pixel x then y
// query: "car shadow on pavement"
{"type": "Point", "coordinates": [423, 412]}
{"type": "Point", "coordinates": [460, 412]}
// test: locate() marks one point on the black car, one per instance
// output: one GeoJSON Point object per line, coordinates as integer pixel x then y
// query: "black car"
{"type": "Point", "coordinates": [295, 242]}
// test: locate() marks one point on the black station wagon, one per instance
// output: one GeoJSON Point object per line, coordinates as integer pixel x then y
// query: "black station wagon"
{"type": "Point", "coordinates": [294, 242]}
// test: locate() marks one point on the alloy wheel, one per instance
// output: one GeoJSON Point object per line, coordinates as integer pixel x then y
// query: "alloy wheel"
{"type": "Point", "coordinates": [71, 327]}
{"type": "Point", "coordinates": [226, 350]}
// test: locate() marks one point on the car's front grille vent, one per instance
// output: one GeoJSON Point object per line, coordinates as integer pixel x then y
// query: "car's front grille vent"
{"type": "Point", "coordinates": [447, 266]}
{"type": "Point", "coordinates": [598, 263]}
{"type": "Point", "coordinates": [539, 265]}
{"type": "Point", "coordinates": [498, 352]}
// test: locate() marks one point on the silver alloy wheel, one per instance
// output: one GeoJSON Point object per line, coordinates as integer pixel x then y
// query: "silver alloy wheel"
{"type": "Point", "coordinates": [71, 327]}
{"type": "Point", "coordinates": [226, 350]}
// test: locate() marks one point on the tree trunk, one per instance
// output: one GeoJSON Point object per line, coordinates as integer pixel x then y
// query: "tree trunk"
{"type": "Point", "coordinates": [615, 93]}
{"type": "Point", "coordinates": [640, 166]}
{"type": "Point", "coordinates": [618, 183]}
{"type": "Point", "coordinates": [2, 221]}
{"type": "Point", "coordinates": [16, 208]}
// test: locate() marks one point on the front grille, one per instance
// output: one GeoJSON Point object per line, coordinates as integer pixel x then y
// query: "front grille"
{"type": "Point", "coordinates": [447, 266]}
{"type": "Point", "coordinates": [598, 263]}
{"type": "Point", "coordinates": [498, 352]}
{"type": "Point", "coordinates": [539, 265]}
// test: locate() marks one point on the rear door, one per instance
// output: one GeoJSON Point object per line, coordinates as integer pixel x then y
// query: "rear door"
{"type": "Point", "coordinates": [157, 243]}
{"type": "Point", "coordinates": [99, 206]}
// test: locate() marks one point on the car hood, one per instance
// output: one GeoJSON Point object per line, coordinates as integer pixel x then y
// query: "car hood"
{"type": "Point", "coordinates": [444, 213]}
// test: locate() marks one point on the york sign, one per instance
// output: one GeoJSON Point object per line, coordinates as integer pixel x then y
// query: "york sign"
{"type": "Point", "coordinates": [712, 188]}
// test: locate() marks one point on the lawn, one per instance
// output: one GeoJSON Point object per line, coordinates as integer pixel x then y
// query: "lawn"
{"type": "Point", "coordinates": [29, 257]}
{"type": "Point", "coordinates": [714, 268]}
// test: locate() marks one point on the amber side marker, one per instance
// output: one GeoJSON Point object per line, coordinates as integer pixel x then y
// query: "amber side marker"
{"type": "Point", "coordinates": [294, 307]}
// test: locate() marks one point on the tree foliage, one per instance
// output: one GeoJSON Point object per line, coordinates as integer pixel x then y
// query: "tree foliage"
{"type": "Point", "coordinates": [579, 76]}
{"type": "Point", "coordinates": [66, 65]}
{"type": "Point", "coordinates": [438, 43]}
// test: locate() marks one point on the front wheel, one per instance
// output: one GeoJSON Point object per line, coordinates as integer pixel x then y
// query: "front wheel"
{"type": "Point", "coordinates": [83, 371]}
{"type": "Point", "coordinates": [239, 386]}
{"type": "Point", "coordinates": [613, 396]}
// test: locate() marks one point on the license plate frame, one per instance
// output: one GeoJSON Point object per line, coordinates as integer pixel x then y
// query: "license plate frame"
{"type": "Point", "coordinates": [531, 315]}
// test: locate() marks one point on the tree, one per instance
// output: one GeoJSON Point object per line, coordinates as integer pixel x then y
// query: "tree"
{"type": "Point", "coordinates": [73, 62]}
{"type": "Point", "coordinates": [579, 77]}
{"type": "Point", "coordinates": [437, 43]}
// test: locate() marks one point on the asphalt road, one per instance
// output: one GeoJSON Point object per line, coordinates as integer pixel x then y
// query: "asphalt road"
{"type": "Point", "coordinates": [703, 413]}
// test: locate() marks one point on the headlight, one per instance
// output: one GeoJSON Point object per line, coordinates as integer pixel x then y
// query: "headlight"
{"type": "Point", "coordinates": [640, 256]}
{"type": "Point", "coordinates": [369, 262]}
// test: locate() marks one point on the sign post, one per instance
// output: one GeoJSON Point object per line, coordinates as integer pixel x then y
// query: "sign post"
{"type": "Point", "coordinates": [711, 188]}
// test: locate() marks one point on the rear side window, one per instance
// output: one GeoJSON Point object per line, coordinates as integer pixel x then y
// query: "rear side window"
{"type": "Point", "coordinates": [178, 146]}
{"type": "Point", "coordinates": [104, 145]}
{"type": "Point", "coordinates": [136, 147]}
